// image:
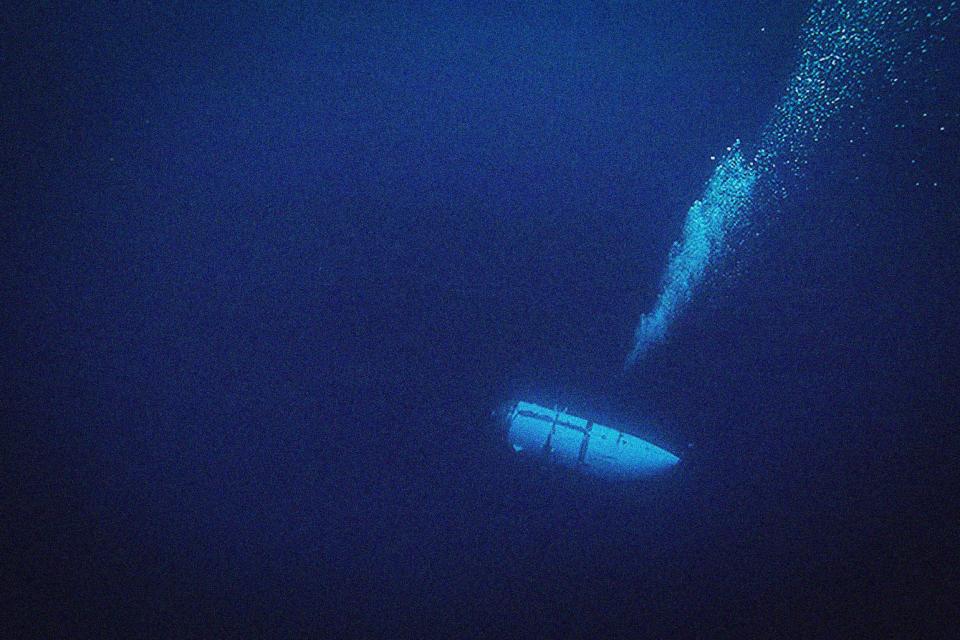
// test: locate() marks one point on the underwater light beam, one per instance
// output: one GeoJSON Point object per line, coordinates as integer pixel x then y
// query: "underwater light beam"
{"type": "Point", "coordinates": [844, 45]}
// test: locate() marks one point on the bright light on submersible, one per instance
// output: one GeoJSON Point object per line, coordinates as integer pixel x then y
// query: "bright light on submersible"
{"type": "Point", "coordinates": [576, 443]}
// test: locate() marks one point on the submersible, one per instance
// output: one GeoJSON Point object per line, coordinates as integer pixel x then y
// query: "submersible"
{"type": "Point", "coordinates": [581, 444]}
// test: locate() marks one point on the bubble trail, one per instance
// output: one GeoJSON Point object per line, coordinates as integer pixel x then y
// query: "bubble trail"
{"type": "Point", "coordinates": [727, 196]}
{"type": "Point", "coordinates": [849, 49]}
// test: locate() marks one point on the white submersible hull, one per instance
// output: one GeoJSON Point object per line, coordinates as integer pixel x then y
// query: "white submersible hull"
{"type": "Point", "coordinates": [576, 443]}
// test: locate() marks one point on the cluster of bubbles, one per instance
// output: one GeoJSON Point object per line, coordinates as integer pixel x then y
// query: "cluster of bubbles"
{"type": "Point", "coordinates": [848, 49]}
{"type": "Point", "coordinates": [728, 194]}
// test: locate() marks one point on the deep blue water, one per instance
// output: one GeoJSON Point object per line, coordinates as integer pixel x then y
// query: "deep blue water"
{"type": "Point", "coordinates": [269, 267]}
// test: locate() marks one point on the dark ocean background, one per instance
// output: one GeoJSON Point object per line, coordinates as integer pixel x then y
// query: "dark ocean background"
{"type": "Point", "coordinates": [268, 267]}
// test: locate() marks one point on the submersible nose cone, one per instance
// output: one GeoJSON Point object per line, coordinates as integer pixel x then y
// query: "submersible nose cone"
{"type": "Point", "coordinates": [577, 443]}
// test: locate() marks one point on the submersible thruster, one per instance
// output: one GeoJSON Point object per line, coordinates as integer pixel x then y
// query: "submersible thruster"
{"type": "Point", "coordinates": [577, 443]}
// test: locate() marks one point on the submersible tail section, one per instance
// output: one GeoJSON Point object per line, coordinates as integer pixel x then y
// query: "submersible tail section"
{"type": "Point", "coordinates": [577, 443]}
